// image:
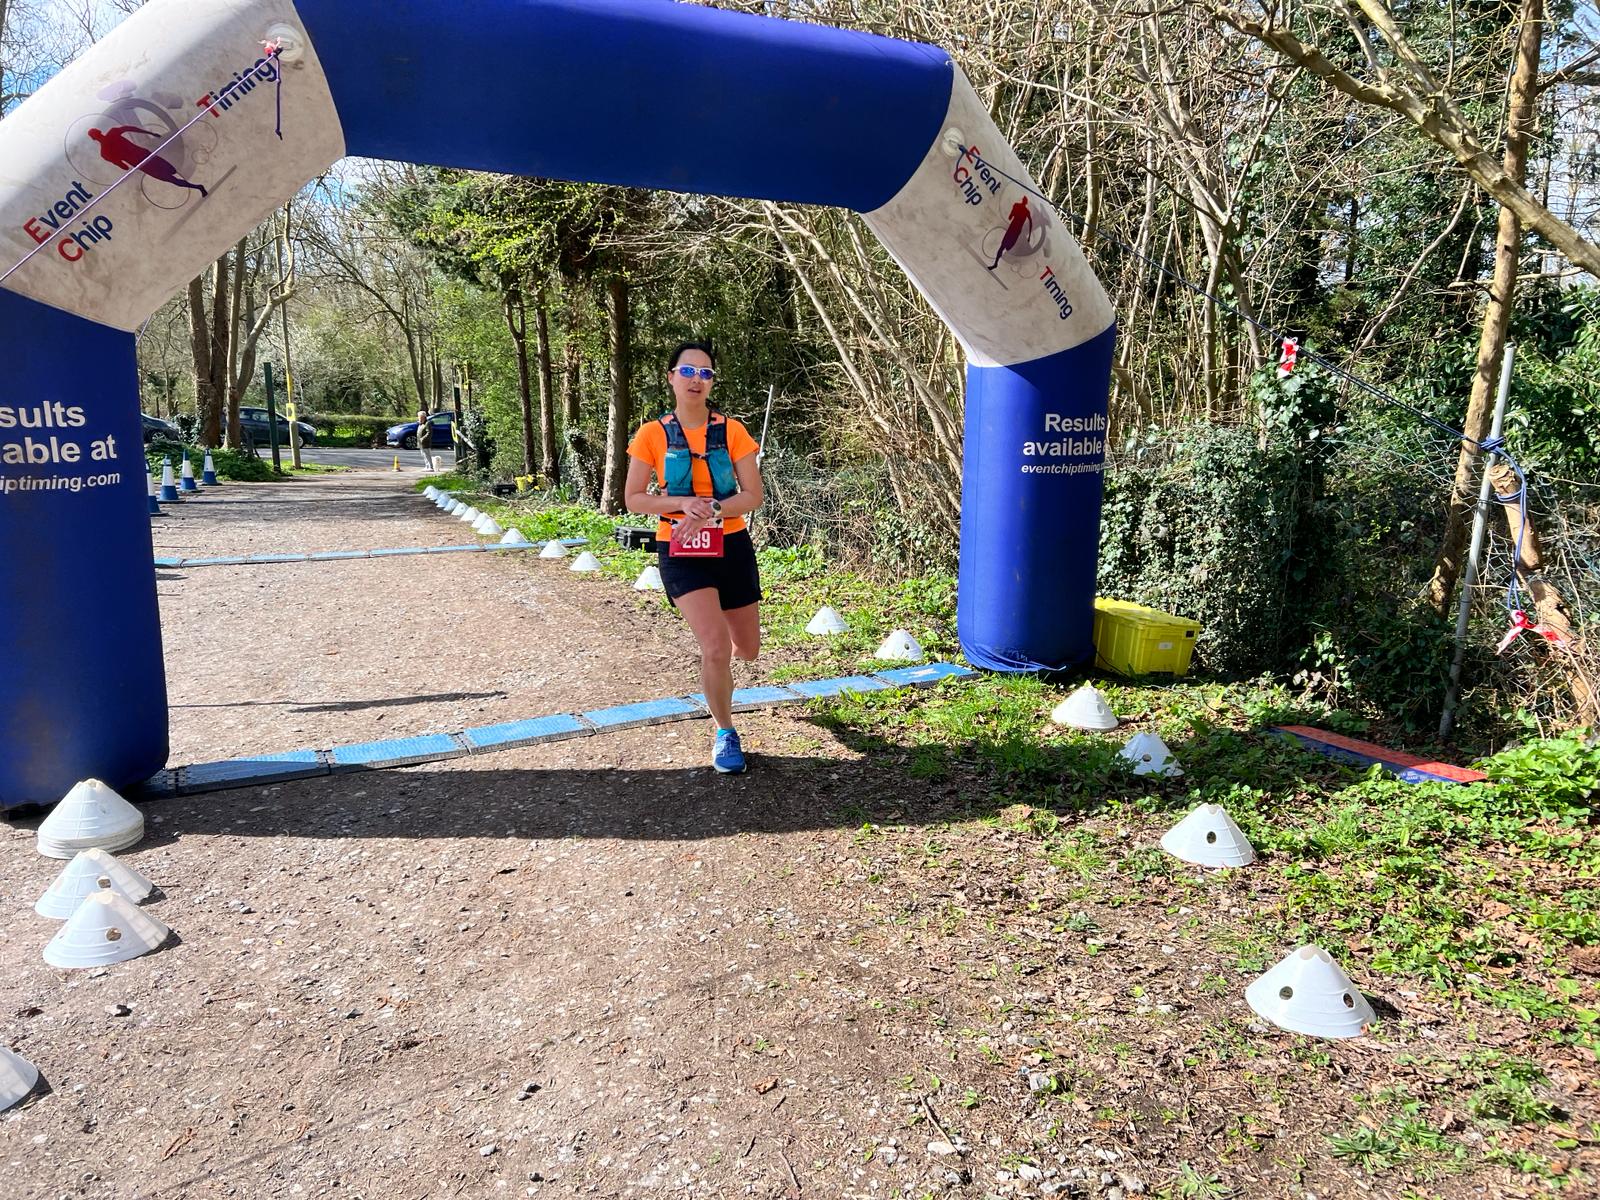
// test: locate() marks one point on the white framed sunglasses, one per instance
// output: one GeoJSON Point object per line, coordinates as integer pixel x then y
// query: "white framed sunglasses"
{"type": "Point", "coordinates": [688, 372]}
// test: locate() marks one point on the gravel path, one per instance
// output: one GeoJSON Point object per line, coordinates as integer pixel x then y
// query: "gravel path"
{"type": "Point", "coordinates": [573, 969]}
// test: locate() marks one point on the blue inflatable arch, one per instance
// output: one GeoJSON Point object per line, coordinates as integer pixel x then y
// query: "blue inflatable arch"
{"type": "Point", "coordinates": [152, 154]}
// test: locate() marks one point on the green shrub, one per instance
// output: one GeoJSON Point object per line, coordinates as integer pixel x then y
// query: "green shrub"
{"type": "Point", "coordinates": [1214, 525]}
{"type": "Point", "coordinates": [355, 428]}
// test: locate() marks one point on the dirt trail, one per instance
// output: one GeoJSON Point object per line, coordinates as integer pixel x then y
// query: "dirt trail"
{"type": "Point", "coordinates": [593, 967]}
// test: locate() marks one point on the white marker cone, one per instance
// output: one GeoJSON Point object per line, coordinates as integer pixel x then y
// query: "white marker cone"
{"type": "Point", "coordinates": [514, 537]}
{"type": "Point", "coordinates": [468, 515]}
{"type": "Point", "coordinates": [455, 506]}
{"type": "Point", "coordinates": [1149, 756]}
{"type": "Point", "coordinates": [649, 580]}
{"type": "Point", "coordinates": [826, 623]}
{"type": "Point", "coordinates": [169, 490]}
{"type": "Point", "coordinates": [90, 872]}
{"type": "Point", "coordinates": [104, 928]}
{"type": "Point", "coordinates": [1310, 993]}
{"type": "Point", "coordinates": [900, 646]}
{"type": "Point", "coordinates": [487, 526]}
{"type": "Point", "coordinates": [431, 492]}
{"type": "Point", "coordinates": [553, 549]}
{"type": "Point", "coordinates": [17, 1077]}
{"type": "Point", "coordinates": [1208, 837]}
{"type": "Point", "coordinates": [1086, 708]}
{"type": "Point", "coordinates": [585, 562]}
{"type": "Point", "coordinates": [150, 486]}
{"type": "Point", "coordinates": [90, 815]}
{"type": "Point", "coordinates": [208, 471]}
{"type": "Point", "coordinates": [444, 503]}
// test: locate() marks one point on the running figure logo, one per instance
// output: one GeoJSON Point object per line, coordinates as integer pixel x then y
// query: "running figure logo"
{"type": "Point", "coordinates": [1021, 216]}
{"type": "Point", "coordinates": [119, 151]}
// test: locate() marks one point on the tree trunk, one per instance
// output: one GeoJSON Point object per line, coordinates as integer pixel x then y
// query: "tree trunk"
{"type": "Point", "coordinates": [243, 370]}
{"type": "Point", "coordinates": [517, 322]}
{"type": "Point", "coordinates": [619, 415]}
{"type": "Point", "coordinates": [235, 342]}
{"type": "Point", "coordinates": [200, 347]}
{"type": "Point", "coordinates": [571, 375]}
{"type": "Point", "coordinates": [547, 398]}
{"type": "Point", "coordinates": [1520, 117]}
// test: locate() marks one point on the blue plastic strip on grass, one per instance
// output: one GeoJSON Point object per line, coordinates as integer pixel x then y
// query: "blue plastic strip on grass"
{"type": "Point", "coordinates": [485, 739]}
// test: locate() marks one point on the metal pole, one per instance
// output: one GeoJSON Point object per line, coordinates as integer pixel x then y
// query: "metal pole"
{"type": "Point", "coordinates": [761, 450]}
{"type": "Point", "coordinates": [272, 421]}
{"type": "Point", "coordinates": [1474, 554]}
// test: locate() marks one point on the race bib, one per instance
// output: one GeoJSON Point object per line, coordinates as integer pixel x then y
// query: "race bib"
{"type": "Point", "coordinates": [705, 544]}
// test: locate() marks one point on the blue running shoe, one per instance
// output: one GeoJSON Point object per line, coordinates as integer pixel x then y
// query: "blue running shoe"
{"type": "Point", "coordinates": [728, 757]}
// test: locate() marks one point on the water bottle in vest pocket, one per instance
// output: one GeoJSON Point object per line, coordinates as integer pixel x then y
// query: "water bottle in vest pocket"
{"type": "Point", "coordinates": [679, 471]}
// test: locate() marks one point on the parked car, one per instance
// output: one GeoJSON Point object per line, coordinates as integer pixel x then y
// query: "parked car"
{"type": "Point", "coordinates": [158, 430]}
{"type": "Point", "coordinates": [253, 423]}
{"type": "Point", "coordinates": [442, 424]}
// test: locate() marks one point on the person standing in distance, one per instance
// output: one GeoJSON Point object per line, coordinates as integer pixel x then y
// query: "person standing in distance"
{"type": "Point", "coordinates": [710, 481]}
{"type": "Point", "coordinates": [425, 438]}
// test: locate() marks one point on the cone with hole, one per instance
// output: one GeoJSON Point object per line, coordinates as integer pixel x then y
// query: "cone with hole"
{"type": "Point", "coordinates": [1086, 708]}
{"type": "Point", "coordinates": [514, 537]}
{"type": "Point", "coordinates": [1147, 754]}
{"type": "Point", "coordinates": [649, 580]}
{"type": "Point", "coordinates": [1208, 837]}
{"type": "Point", "coordinates": [91, 871]}
{"type": "Point", "coordinates": [1308, 992]}
{"type": "Point", "coordinates": [554, 548]}
{"type": "Point", "coordinates": [169, 490]}
{"type": "Point", "coordinates": [208, 472]}
{"type": "Point", "coordinates": [186, 481]}
{"type": "Point", "coordinates": [826, 623]}
{"type": "Point", "coordinates": [17, 1077]}
{"type": "Point", "coordinates": [105, 928]}
{"type": "Point", "coordinates": [90, 816]}
{"type": "Point", "coordinates": [900, 646]}
{"type": "Point", "coordinates": [585, 562]}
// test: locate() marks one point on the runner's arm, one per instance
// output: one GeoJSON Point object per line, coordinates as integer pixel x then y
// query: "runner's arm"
{"type": "Point", "coordinates": [636, 495]}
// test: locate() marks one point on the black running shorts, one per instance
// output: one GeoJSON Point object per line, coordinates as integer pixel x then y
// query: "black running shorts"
{"type": "Point", "coordinates": [734, 575]}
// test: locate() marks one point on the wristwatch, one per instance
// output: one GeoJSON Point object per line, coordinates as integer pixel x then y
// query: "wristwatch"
{"type": "Point", "coordinates": [716, 509]}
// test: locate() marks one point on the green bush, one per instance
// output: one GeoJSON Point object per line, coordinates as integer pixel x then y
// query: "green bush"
{"type": "Point", "coordinates": [1214, 525]}
{"type": "Point", "coordinates": [355, 428]}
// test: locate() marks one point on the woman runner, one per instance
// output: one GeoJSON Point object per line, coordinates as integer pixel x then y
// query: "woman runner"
{"type": "Point", "coordinates": [710, 480]}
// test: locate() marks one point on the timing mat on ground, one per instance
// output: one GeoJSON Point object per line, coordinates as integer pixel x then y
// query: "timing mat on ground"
{"type": "Point", "coordinates": [255, 560]}
{"type": "Point", "coordinates": [437, 747]}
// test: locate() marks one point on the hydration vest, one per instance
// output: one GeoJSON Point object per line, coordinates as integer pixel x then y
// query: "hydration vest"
{"type": "Point", "coordinates": [679, 467]}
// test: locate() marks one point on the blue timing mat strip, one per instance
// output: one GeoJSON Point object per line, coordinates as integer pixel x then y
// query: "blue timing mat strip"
{"type": "Point", "coordinates": [437, 747]}
{"type": "Point", "coordinates": [256, 560]}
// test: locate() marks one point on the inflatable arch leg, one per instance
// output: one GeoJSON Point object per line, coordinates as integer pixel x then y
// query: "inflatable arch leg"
{"type": "Point", "coordinates": [82, 685]}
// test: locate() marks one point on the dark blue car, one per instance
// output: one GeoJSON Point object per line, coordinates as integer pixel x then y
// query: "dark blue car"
{"type": "Point", "coordinates": [442, 424]}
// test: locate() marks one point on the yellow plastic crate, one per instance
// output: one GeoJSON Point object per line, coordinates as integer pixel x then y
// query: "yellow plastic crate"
{"type": "Point", "coordinates": [1132, 639]}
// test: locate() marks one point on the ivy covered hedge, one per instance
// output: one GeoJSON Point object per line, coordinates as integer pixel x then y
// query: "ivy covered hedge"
{"type": "Point", "coordinates": [1300, 547]}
